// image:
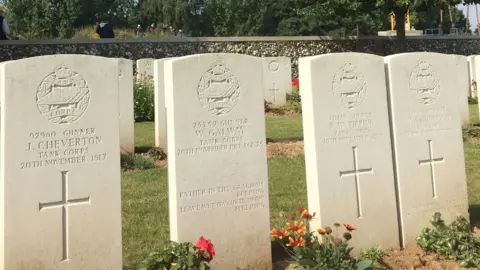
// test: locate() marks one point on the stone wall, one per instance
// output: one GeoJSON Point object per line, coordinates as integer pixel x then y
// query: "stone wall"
{"type": "Point", "coordinates": [293, 47]}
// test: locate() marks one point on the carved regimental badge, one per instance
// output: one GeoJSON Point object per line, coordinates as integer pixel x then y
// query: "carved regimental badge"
{"type": "Point", "coordinates": [350, 86]}
{"type": "Point", "coordinates": [63, 96]}
{"type": "Point", "coordinates": [218, 89]}
{"type": "Point", "coordinates": [273, 65]}
{"type": "Point", "coordinates": [425, 83]}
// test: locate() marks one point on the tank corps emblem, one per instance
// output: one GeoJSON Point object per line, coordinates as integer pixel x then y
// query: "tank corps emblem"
{"type": "Point", "coordinates": [349, 86]}
{"type": "Point", "coordinates": [63, 96]}
{"type": "Point", "coordinates": [218, 90]}
{"type": "Point", "coordinates": [425, 83]}
{"type": "Point", "coordinates": [273, 65]}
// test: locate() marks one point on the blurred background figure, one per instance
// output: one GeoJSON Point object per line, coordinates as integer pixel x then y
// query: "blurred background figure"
{"type": "Point", "coordinates": [104, 29]}
{"type": "Point", "coordinates": [138, 30]}
{"type": "Point", "coordinates": [4, 31]}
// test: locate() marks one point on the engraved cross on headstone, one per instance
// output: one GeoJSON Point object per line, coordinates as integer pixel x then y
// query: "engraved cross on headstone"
{"type": "Point", "coordinates": [275, 90]}
{"type": "Point", "coordinates": [431, 162]}
{"type": "Point", "coordinates": [356, 172]}
{"type": "Point", "coordinates": [64, 204]}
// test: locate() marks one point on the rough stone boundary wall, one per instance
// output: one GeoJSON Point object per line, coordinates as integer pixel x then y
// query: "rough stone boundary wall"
{"type": "Point", "coordinates": [293, 47]}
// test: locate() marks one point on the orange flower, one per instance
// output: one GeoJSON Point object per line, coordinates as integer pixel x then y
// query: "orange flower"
{"type": "Point", "coordinates": [296, 242]}
{"type": "Point", "coordinates": [306, 215]}
{"type": "Point", "coordinates": [337, 224]}
{"type": "Point", "coordinates": [350, 227]}
{"type": "Point", "coordinates": [296, 227]}
{"type": "Point", "coordinates": [300, 209]}
{"type": "Point", "coordinates": [328, 230]}
{"type": "Point", "coordinates": [278, 233]}
{"type": "Point", "coordinates": [321, 231]}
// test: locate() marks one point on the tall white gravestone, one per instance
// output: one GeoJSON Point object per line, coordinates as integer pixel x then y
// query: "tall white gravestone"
{"type": "Point", "coordinates": [218, 182]}
{"type": "Point", "coordinates": [473, 75]}
{"type": "Point", "coordinates": [160, 112]}
{"type": "Point", "coordinates": [277, 79]}
{"type": "Point", "coordinates": [127, 121]}
{"type": "Point", "coordinates": [145, 68]}
{"type": "Point", "coordinates": [427, 140]}
{"type": "Point", "coordinates": [463, 87]}
{"type": "Point", "coordinates": [60, 170]}
{"type": "Point", "coordinates": [347, 146]}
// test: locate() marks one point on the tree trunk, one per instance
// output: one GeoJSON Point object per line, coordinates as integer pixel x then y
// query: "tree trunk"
{"type": "Point", "coordinates": [400, 25]}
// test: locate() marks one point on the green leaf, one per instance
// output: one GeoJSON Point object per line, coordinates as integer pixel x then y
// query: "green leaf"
{"type": "Point", "coordinates": [365, 264]}
{"type": "Point", "coordinates": [307, 262]}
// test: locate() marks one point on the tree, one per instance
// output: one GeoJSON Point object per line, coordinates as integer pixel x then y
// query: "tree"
{"type": "Point", "coordinates": [341, 17]}
{"type": "Point", "coordinates": [431, 19]}
{"type": "Point", "coordinates": [44, 18]}
{"type": "Point", "coordinates": [400, 7]}
{"type": "Point", "coordinates": [60, 18]}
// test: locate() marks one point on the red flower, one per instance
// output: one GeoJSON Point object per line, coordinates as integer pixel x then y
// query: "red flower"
{"type": "Point", "coordinates": [206, 247]}
{"type": "Point", "coordinates": [306, 215]}
{"type": "Point", "coordinates": [296, 82]}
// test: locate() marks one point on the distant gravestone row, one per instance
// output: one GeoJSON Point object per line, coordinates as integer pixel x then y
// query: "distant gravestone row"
{"type": "Point", "coordinates": [276, 83]}
{"type": "Point", "coordinates": [383, 151]}
{"type": "Point", "coordinates": [376, 155]}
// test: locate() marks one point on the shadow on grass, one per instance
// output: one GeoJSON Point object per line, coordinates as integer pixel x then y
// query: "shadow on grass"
{"type": "Point", "coordinates": [474, 211]}
{"type": "Point", "coordinates": [142, 149]}
{"type": "Point", "coordinates": [292, 139]}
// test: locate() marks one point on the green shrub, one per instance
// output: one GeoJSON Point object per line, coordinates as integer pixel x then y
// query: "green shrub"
{"type": "Point", "coordinates": [472, 100]}
{"type": "Point", "coordinates": [470, 131]}
{"type": "Point", "coordinates": [308, 253]}
{"type": "Point", "coordinates": [373, 254]}
{"type": "Point", "coordinates": [143, 94]}
{"type": "Point", "coordinates": [136, 161]}
{"type": "Point", "coordinates": [455, 241]}
{"type": "Point", "coordinates": [157, 153]}
{"type": "Point", "coordinates": [181, 256]}
{"type": "Point", "coordinates": [294, 100]}
{"type": "Point", "coordinates": [267, 105]}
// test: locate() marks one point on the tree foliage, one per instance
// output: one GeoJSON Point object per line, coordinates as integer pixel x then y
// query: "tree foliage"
{"type": "Point", "coordinates": [60, 18]}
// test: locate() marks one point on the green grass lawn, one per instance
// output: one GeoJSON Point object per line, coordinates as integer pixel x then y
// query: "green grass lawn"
{"type": "Point", "coordinates": [145, 194]}
{"type": "Point", "coordinates": [473, 110]}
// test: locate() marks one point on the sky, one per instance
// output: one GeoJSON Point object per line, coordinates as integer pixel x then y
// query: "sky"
{"type": "Point", "coordinates": [473, 18]}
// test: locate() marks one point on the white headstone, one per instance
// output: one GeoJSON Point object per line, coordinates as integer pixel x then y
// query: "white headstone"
{"type": "Point", "coordinates": [218, 182]}
{"type": "Point", "coordinates": [60, 169]}
{"type": "Point", "coordinates": [463, 86]}
{"type": "Point", "coordinates": [145, 68]}
{"type": "Point", "coordinates": [160, 112]}
{"type": "Point", "coordinates": [427, 139]}
{"type": "Point", "coordinates": [127, 121]}
{"type": "Point", "coordinates": [277, 79]}
{"type": "Point", "coordinates": [347, 146]}
{"type": "Point", "coordinates": [473, 74]}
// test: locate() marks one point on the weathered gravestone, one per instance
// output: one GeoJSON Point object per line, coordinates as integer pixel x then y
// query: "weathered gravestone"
{"type": "Point", "coordinates": [347, 146]}
{"type": "Point", "coordinates": [60, 170]}
{"type": "Point", "coordinates": [160, 112]}
{"type": "Point", "coordinates": [427, 140]}
{"type": "Point", "coordinates": [473, 75]}
{"type": "Point", "coordinates": [277, 79]}
{"type": "Point", "coordinates": [463, 86]}
{"type": "Point", "coordinates": [125, 84]}
{"type": "Point", "coordinates": [218, 181]}
{"type": "Point", "coordinates": [145, 68]}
